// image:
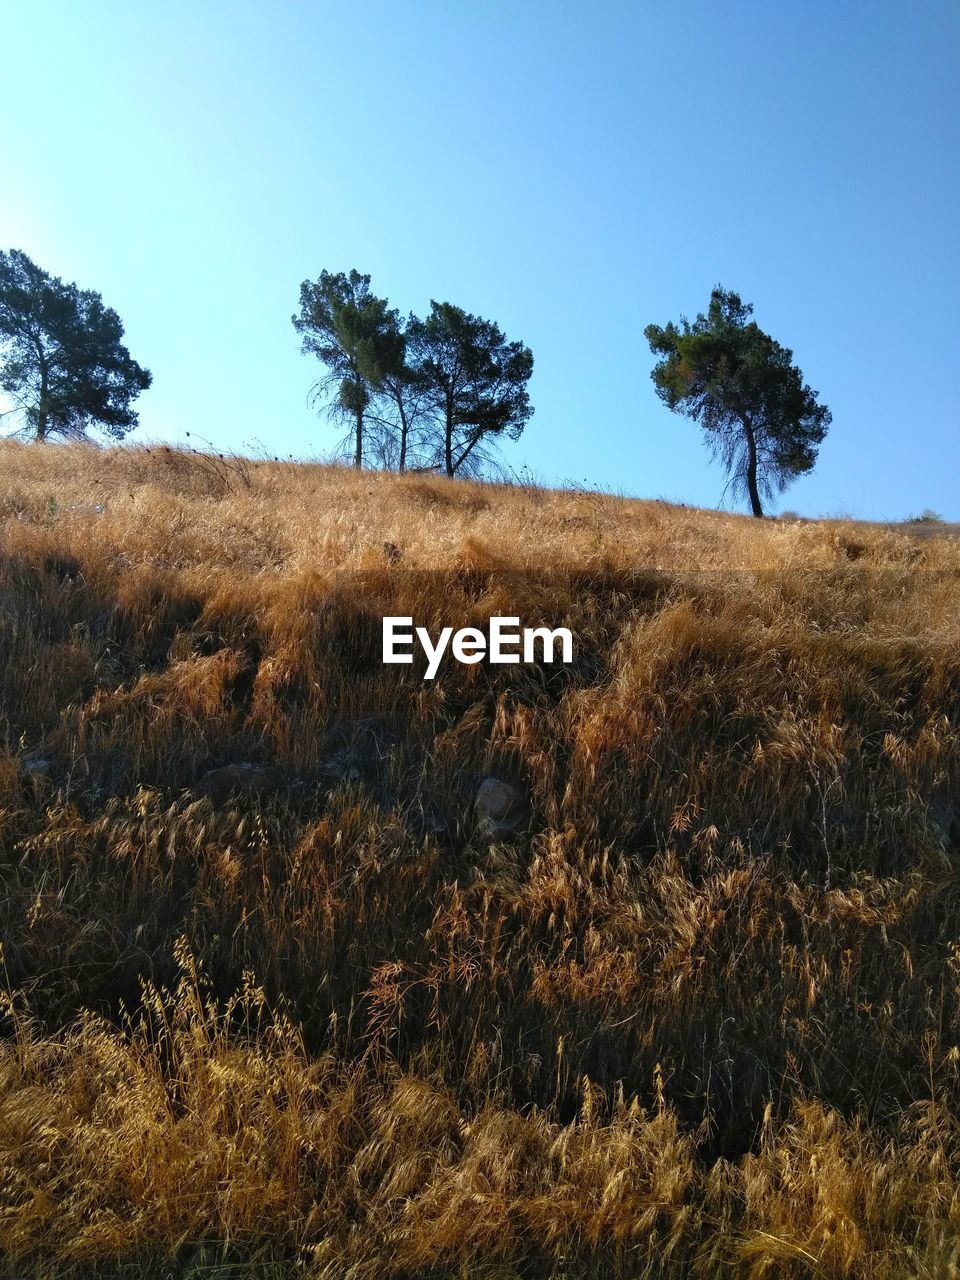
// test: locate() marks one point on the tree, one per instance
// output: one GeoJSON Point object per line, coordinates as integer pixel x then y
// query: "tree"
{"type": "Point", "coordinates": [61, 355]}
{"type": "Point", "coordinates": [761, 419]}
{"type": "Point", "coordinates": [356, 335]}
{"type": "Point", "coordinates": [474, 381]}
{"type": "Point", "coordinates": [398, 407]}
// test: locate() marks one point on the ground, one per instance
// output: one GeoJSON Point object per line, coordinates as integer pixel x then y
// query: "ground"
{"type": "Point", "coordinates": [697, 1015]}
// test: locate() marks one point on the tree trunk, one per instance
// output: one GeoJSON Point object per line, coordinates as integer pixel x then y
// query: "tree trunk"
{"type": "Point", "coordinates": [752, 489]}
{"type": "Point", "coordinates": [42, 413]}
{"type": "Point", "coordinates": [466, 453]}
{"type": "Point", "coordinates": [448, 441]}
{"type": "Point", "coordinates": [404, 429]}
{"type": "Point", "coordinates": [358, 456]}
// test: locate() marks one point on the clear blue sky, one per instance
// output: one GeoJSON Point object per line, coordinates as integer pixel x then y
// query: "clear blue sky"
{"type": "Point", "coordinates": [570, 171]}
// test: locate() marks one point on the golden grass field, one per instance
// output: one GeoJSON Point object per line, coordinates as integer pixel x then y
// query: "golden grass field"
{"type": "Point", "coordinates": [701, 1018]}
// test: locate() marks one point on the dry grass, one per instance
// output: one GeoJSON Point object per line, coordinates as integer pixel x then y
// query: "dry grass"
{"type": "Point", "coordinates": [702, 1019]}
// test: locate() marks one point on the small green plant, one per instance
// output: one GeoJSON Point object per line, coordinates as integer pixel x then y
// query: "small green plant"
{"type": "Point", "coordinates": [926, 516]}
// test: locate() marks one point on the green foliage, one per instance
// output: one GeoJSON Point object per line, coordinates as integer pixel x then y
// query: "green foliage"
{"type": "Point", "coordinates": [926, 516]}
{"type": "Point", "coordinates": [761, 419]}
{"type": "Point", "coordinates": [475, 380]}
{"type": "Point", "coordinates": [61, 355]}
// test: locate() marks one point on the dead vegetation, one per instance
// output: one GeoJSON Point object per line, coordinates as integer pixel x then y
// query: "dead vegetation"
{"type": "Point", "coordinates": [699, 1018]}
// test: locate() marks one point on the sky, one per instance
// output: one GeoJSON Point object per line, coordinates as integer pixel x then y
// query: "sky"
{"type": "Point", "coordinates": [572, 172]}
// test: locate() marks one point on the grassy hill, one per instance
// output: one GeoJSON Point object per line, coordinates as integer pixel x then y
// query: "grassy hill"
{"type": "Point", "coordinates": [698, 1016]}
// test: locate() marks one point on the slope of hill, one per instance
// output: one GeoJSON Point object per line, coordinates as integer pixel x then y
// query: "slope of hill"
{"type": "Point", "coordinates": [698, 1015]}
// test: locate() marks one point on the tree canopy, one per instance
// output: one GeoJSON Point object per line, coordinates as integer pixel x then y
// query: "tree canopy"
{"type": "Point", "coordinates": [61, 355]}
{"type": "Point", "coordinates": [761, 419]}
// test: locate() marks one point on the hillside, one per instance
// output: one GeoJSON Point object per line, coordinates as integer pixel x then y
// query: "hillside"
{"type": "Point", "coordinates": [697, 1014]}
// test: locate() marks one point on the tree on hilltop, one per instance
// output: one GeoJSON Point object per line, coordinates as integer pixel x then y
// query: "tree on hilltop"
{"type": "Point", "coordinates": [761, 419]}
{"type": "Point", "coordinates": [474, 380]}
{"type": "Point", "coordinates": [359, 339]}
{"type": "Point", "coordinates": [428, 394]}
{"type": "Point", "coordinates": [398, 411]}
{"type": "Point", "coordinates": [61, 355]}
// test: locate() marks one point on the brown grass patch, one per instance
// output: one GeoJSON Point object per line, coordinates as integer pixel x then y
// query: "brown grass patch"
{"type": "Point", "coordinates": [700, 1018]}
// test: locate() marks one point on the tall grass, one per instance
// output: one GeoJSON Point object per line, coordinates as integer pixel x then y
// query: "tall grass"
{"type": "Point", "coordinates": [699, 1019]}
